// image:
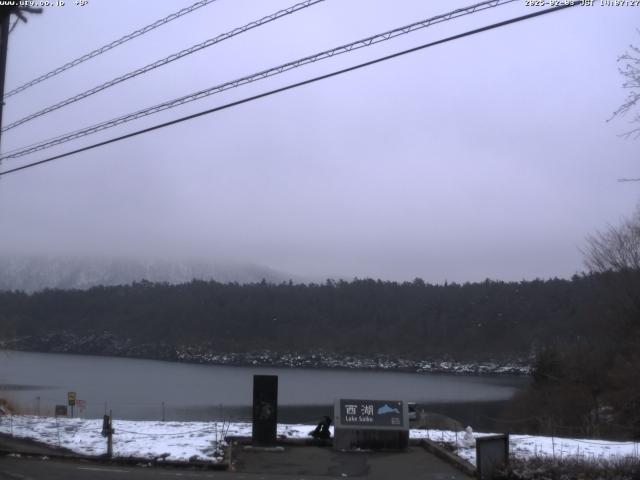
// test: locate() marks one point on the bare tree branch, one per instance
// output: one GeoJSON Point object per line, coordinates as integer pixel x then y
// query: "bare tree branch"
{"type": "Point", "coordinates": [616, 249]}
{"type": "Point", "coordinates": [629, 68]}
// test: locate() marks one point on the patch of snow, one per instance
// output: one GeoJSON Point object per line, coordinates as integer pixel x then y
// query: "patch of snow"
{"type": "Point", "coordinates": [152, 440]}
{"type": "Point", "coordinates": [526, 446]}
{"type": "Point", "coordinates": [203, 441]}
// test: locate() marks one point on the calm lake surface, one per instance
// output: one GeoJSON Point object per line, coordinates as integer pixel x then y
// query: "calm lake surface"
{"type": "Point", "coordinates": [136, 389]}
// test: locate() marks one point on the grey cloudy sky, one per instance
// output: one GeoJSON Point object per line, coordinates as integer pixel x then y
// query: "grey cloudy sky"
{"type": "Point", "coordinates": [485, 157]}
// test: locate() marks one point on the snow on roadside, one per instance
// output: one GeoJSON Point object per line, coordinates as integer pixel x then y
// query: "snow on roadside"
{"type": "Point", "coordinates": [182, 441]}
{"type": "Point", "coordinates": [525, 446]}
{"type": "Point", "coordinates": [177, 441]}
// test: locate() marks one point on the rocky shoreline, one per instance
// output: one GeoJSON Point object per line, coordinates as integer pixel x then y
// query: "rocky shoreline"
{"type": "Point", "coordinates": [108, 344]}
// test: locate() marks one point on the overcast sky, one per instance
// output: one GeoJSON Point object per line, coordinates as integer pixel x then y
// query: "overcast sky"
{"type": "Point", "coordinates": [486, 157]}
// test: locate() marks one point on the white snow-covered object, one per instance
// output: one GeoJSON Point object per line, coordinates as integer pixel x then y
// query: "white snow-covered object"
{"type": "Point", "coordinates": [468, 439]}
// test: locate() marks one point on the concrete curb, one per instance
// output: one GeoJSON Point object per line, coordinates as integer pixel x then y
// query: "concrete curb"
{"type": "Point", "coordinates": [59, 456]}
{"type": "Point", "coordinates": [234, 442]}
{"type": "Point", "coordinates": [448, 457]}
{"type": "Point", "coordinates": [65, 454]}
{"type": "Point", "coordinates": [38, 448]}
{"type": "Point", "coordinates": [300, 442]}
{"type": "Point", "coordinates": [131, 461]}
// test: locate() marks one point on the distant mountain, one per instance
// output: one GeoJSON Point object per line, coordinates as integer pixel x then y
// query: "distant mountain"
{"type": "Point", "coordinates": [31, 274]}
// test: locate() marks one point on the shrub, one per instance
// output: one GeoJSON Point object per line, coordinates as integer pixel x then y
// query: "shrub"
{"type": "Point", "coordinates": [569, 468]}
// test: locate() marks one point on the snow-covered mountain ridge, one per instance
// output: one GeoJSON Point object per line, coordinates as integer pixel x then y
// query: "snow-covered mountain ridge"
{"type": "Point", "coordinates": [30, 273]}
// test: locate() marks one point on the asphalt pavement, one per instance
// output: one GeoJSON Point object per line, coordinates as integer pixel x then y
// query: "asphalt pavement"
{"type": "Point", "coordinates": [15, 444]}
{"type": "Point", "coordinates": [323, 462]}
{"type": "Point", "coordinates": [291, 463]}
{"type": "Point", "coordinates": [36, 468]}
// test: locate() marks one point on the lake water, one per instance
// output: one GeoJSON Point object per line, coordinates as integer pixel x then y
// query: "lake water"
{"type": "Point", "coordinates": [137, 389]}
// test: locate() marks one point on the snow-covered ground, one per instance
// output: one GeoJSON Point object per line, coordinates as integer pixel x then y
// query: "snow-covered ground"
{"type": "Point", "coordinates": [524, 446]}
{"type": "Point", "coordinates": [182, 441]}
{"type": "Point", "coordinates": [175, 441]}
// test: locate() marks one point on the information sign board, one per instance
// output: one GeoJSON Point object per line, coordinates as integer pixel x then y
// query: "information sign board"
{"type": "Point", "coordinates": [371, 413]}
{"type": "Point", "coordinates": [370, 424]}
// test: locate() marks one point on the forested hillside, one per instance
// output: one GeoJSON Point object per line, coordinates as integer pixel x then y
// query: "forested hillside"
{"type": "Point", "coordinates": [473, 321]}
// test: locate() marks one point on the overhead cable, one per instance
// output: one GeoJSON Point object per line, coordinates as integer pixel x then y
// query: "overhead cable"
{"type": "Point", "coordinates": [292, 86]}
{"type": "Point", "coordinates": [109, 46]}
{"type": "Point", "coordinates": [366, 42]}
{"type": "Point", "coordinates": [164, 61]}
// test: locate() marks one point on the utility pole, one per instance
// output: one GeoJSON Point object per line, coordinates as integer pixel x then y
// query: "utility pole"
{"type": "Point", "coordinates": [4, 40]}
{"type": "Point", "coordinates": [108, 431]}
{"type": "Point", "coordinates": [110, 437]}
{"type": "Point", "coordinates": [5, 21]}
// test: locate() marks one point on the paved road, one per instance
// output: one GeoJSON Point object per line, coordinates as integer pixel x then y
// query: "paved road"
{"type": "Point", "coordinates": [34, 468]}
{"type": "Point", "coordinates": [295, 463]}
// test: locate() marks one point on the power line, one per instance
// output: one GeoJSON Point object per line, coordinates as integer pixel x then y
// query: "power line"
{"type": "Point", "coordinates": [366, 42]}
{"type": "Point", "coordinates": [164, 61]}
{"type": "Point", "coordinates": [109, 46]}
{"type": "Point", "coordinates": [294, 85]}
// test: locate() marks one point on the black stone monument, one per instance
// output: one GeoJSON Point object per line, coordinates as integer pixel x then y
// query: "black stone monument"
{"type": "Point", "coordinates": [265, 409]}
